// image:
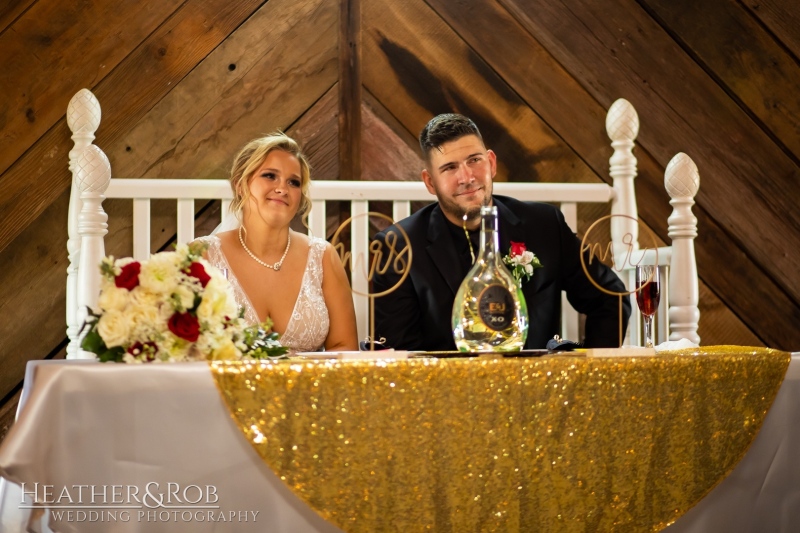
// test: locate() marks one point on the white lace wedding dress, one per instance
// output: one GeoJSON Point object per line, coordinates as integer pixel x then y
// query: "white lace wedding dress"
{"type": "Point", "coordinates": [308, 326]}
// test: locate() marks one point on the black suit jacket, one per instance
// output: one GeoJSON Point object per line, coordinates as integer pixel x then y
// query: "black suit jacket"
{"type": "Point", "coordinates": [417, 315]}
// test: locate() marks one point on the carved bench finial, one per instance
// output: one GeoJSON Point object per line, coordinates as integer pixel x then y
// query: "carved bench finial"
{"type": "Point", "coordinates": [83, 112]}
{"type": "Point", "coordinates": [83, 119]}
{"type": "Point", "coordinates": [622, 121]}
{"type": "Point", "coordinates": [92, 176]}
{"type": "Point", "coordinates": [622, 126]}
{"type": "Point", "coordinates": [682, 181]}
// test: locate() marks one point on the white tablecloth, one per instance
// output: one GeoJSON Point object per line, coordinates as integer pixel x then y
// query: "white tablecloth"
{"type": "Point", "coordinates": [86, 423]}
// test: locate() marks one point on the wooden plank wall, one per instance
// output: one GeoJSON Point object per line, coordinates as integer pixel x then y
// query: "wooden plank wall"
{"type": "Point", "coordinates": [183, 83]}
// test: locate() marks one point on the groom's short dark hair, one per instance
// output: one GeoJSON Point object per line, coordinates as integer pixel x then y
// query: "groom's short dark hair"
{"type": "Point", "coordinates": [443, 129]}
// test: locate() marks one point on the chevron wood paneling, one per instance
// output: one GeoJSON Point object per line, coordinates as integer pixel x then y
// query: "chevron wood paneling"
{"type": "Point", "coordinates": [234, 94]}
{"type": "Point", "coordinates": [184, 83]}
{"type": "Point", "coordinates": [418, 66]}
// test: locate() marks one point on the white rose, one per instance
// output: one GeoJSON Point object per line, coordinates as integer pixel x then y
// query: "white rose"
{"type": "Point", "coordinates": [527, 257]}
{"type": "Point", "coordinates": [149, 312]}
{"type": "Point", "coordinates": [113, 298]}
{"type": "Point", "coordinates": [114, 327]}
{"type": "Point", "coordinates": [144, 298]}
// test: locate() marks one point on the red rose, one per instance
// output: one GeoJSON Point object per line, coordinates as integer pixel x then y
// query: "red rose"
{"type": "Point", "coordinates": [185, 326]}
{"type": "Point", "coordinates": [517, 248]}
{"type": "Point", "coordinates": [128, 278]}
{"type": "Point", "coordinates": [196, 270]}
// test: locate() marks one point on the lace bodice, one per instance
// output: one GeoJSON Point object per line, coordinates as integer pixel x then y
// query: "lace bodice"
{"type": "Point", "coordinates": [308, 326]}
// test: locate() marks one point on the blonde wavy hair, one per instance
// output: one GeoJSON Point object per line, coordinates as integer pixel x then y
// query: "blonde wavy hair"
{"type": "Point", "coordinates": [252, 156]}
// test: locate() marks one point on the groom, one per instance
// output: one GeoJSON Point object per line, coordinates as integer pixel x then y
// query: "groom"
{"type": "Point", "coordinates": [459, 171]}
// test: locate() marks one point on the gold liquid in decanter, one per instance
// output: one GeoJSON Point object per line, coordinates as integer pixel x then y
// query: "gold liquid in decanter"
{"type": "Point", "coordinates": [489, 312]}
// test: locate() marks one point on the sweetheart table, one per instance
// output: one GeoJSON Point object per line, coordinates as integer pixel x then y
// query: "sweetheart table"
{"type": "Point", "coordinates": [691, 441]}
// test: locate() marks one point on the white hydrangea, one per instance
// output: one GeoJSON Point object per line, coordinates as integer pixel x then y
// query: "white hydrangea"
{"type": "Point", "coordinates": [147, 321]}
{"type": "Point", "coordinates": [184, 296]}
{"type": "Point", "coordinates": [217, 303]}
{"type": "Point", "coordinates": [159, 273]}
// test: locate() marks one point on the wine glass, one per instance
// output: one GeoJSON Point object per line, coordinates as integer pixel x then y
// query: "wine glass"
{"type": "Point", "coordinates": [648, 293]}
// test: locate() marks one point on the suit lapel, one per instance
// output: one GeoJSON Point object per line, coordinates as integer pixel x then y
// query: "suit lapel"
{"type": "Point", "coordinates": [442, 250]}
{"type": "Point", "coordinates": [511, 227]}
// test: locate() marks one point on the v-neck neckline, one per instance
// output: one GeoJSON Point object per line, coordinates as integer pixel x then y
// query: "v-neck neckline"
{"type": "Point", "coordinates": [247, 298]}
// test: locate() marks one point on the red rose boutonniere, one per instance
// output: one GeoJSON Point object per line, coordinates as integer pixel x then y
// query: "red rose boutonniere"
{"type": "Point", "coordinates": [521, 262]}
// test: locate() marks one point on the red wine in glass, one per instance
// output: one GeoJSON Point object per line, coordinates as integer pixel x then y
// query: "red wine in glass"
{"type": "Point", "coordinates": [648, 293]}
{"type": "Point", "coordinates": [648, 296]}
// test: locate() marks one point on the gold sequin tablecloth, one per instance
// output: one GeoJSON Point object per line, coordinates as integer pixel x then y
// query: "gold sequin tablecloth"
{"type": "Point", "coordinates": [558, 443]}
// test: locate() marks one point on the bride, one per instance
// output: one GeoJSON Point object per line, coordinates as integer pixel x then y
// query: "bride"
{"type": "Point", "coordinates": [295, 280]}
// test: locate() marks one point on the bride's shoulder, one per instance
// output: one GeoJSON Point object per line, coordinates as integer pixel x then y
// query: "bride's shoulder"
{"type": "Point", "coordinates": [224, 235]}
{"type": "Point", "coordinates": [309, 240]}
{"type": "Point", "coordinates": [211, 243]}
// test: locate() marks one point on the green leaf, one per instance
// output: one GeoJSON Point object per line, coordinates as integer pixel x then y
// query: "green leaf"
{"type": "Point", "coordinates": [113, 355]}
{"type": "Point", "coordinates": [93, 342]}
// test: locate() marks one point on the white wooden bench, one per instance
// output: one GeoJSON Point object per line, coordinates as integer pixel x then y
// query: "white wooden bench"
{"type": "Point", "coordinates": [92, 183]}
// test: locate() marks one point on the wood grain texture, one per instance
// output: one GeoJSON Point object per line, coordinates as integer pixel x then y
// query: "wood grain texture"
{"type": "Point", "coordinates": [782, 18]}
{"type": "Point", "coordinates": [39, 55]}
{"type": "Point", "coordinates": [719, 326]}
{"type": "Point", "coordinates": [532, 72]}
{"type": "Point", "coordinates": [317, 132]}
{"type": "Point", "coordinates": [409, 138]}
{"type": "Point", "coordinates": [196, 129]}
{"type": "Point", "coordinates": [147, 74]}
{"type": "Point", "coordinates": [350, 89]}
{"type": "Point", "coordinates": [745, 59]}
{"type": "Point", "coordinates": [386, 155]}
{"type": "Point", "coordinates": [417, 67]}
{"type": "Point", "coordinates": [33, 294]}
{"type": "Point", "coordinates": [10, 10]}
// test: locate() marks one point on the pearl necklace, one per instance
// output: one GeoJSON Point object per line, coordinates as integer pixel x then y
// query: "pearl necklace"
{"type": "Point", "coordinates": [277, 265]}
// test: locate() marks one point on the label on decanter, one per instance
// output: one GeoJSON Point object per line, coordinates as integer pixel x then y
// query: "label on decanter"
{"type": "Point", "coordinates": [496, 307]}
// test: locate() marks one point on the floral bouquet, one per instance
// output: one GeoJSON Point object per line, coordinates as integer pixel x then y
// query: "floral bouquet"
{"type": "Point", "coordinates": [521, 262]}
{"type": "Point", "coordinates": [173, 307]}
